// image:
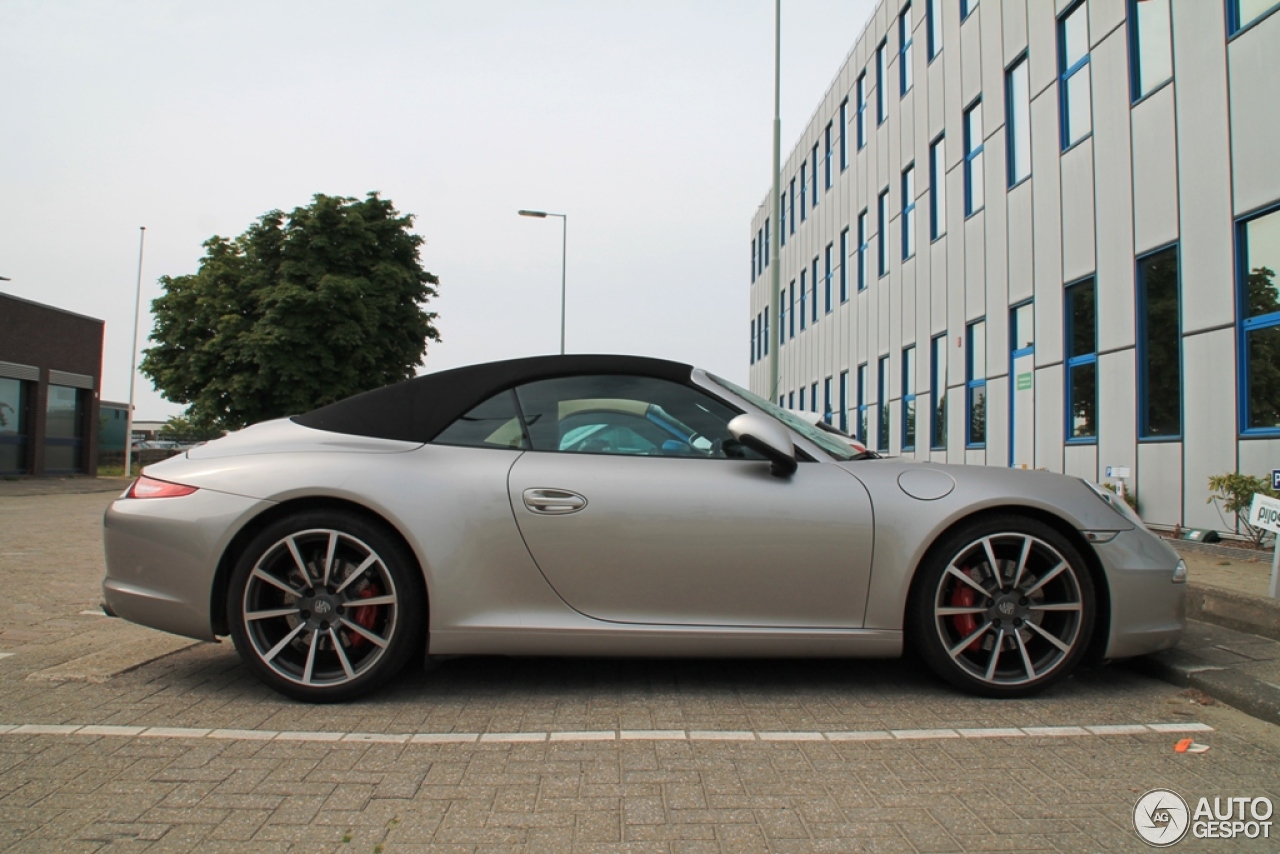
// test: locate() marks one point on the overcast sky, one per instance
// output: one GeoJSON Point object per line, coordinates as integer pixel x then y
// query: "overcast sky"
{"type": "Point", "coordinates": [648, 122]}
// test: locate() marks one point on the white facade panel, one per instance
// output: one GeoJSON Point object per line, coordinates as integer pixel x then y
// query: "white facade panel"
{"type": "Point", "coordinates": [1159, 482]}
{"type": "Point", "coordinates": [1255, 119]}
{"type": "Point", "coordinates": [1047, 234]}
{"type": "Point", "coordinates": [1021, 260]}
{"type": "Point", "coordinates": [1209, 422]}
{"type": "Point", "coordinates": [1014, 28]}
{"type": "Point", "coordinates": [1113, 214]}
{"type": "Point", "coordinates": [1155, 171]}
{"type": "Point", "coordinates": [1117, 442]}
{"type": "Point", "coordinates": [1078, 226]}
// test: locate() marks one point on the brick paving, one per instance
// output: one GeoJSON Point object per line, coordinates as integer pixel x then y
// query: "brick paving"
{"type": "Point", "coordinates": [179, 749]}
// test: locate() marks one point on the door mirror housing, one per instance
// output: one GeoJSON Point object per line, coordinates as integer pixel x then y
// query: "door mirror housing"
{"type": "Point", "coordinates": [768, 438]}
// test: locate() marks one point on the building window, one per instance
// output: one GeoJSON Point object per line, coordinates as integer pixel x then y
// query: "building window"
{"type": "Point", "coordinates": [842, 260]}
{"type": "Point", "coordinates": [801, 399]}
{"type": "Point", "coordinates": [864, 251]}
{"type": "Point", "coordinates": [1150, 46]}
{"type": "Point", "coordinates": [1082, 363]}
{"type": "Point", "coordinates": [938, 383]}
{"type": "Point", "coordinates": [882, 403]}
{"type": "Point", "coordinates": [904, 49]}
{"type": "Point", "coordinates": [766, 241]}
{"type": "Point", "coordinates": [813, 397]}
{"type": "Point", "coordinates": [1258, 252]}
{"type": "Point", "coordinates": [1018, 118]}
{"type": "Point", "coordinates": [782, 222]}
{"type": "Point", "coordinates": [909, 398]}
{"type": "Point", "coordinates": [1242, 13]}
{"type": "Point", "coordinates": [64, 430]}
{"type": "Point", "coordinates": [804, 194]}
{"type": "Point", "coordinates": [755, 259]}
{"type": "Point", "coordinates": [753, 340]}
{"type": "Point", "coordinates": [844, 122]}
{"type": "Point", "coordinates": [973, 175]}
{"type": "Point", "coordinates": [804, 301]}
{"type": "Point", "coordinates": [882, 110]}
{"type": "Point", "coordinates": [967, 7]}
{"type": "Point", "coordinates": [815, 176]}
{"type": "Point", "coordinates": [793, 206]}
{"type": "Point", "coordinates": [826, 279]}
{"type": "Point", "coordinates": [783, 314]}
{"type": "Point", "coordinates": [814, 280]}
{"type": "Point", "coordinates": [14, 425]}
{"type": "Point", "coordinates": [766, 330]}
{"type": "Point", "coordinates": [862, 405]}
{"type": "Point", "coordinates": [791, 400]}
{"type": "Point", "coordinates": [882, 236]}
{"type": "Point", "coordinates": [908, 211]}
{"type": "Point", "coordinates": [826, 157]}
{"type": "Point", "coordinates": [826, 400]}
{"type": "Point", "coordinates": [860, 116]}
{"type": "Point", "coordinates": [933, 27]}
{"type": "Point", "coordinates": [844, 402]}
{"type": "Point", "coordinates": [1159, 346]}
{"type": "Point", "coordinates": [1073, 71]}
{"type": "Point", "coordinates": [976, 382]}
{"type": "Point", "coordinates": [938, 188]}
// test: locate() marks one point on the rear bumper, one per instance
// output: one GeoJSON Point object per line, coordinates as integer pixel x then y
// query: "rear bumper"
{"type": "Point", "coordinates": [1148, 610]}
{"type": "Point", "coordinates": [162, 556]}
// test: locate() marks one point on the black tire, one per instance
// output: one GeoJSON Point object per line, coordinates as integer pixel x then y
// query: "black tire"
{"type": "Point", "coordinates": [326, 629]}
{"type": "Point", "coordinates": [1037, 608]}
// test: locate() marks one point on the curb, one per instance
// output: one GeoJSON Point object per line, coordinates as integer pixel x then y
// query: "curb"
{"type": "Point", "coordinates": [1240, 611]}
{"type": "Point", "coordinates": [1249, 695]}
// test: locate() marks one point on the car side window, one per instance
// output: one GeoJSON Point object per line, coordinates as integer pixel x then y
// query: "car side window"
{"type": "Point", "coordinates": [627, 415]}
{"type": "Point", "coordinates": [492, 424]}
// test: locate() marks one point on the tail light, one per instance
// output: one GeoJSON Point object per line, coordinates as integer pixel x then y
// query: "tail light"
{"type": "Point", "coordinates": [149, 487]}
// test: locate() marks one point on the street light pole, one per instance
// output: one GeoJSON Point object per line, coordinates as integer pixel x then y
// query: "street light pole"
{"type": "Point", "coordinates": [133, 359]}
{"type": "Point", "coordinates": [564, 258]}
{"type": "Point", "coordinates": [775, 207]}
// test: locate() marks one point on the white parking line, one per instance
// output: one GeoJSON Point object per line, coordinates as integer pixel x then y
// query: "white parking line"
{"type": "Point", "coordinates": [7, 654]}
{"type": "Point", "coordinates": [606, 735]}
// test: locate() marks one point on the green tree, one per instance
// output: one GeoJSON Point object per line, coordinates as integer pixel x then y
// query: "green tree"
{"type": "Point", "coordinates": [299, 311]}
{"type": "Point", "coordinates": [180, 429]}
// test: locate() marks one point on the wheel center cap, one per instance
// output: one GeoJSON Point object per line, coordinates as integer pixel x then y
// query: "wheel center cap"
{"type": "Point", "coordinates": [1007, 607]}
{"type": "Point", "coordinates": [322, 609]}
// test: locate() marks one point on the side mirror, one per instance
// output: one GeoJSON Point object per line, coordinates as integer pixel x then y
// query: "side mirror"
{"type": "Point", "coordinates": [768, 438]}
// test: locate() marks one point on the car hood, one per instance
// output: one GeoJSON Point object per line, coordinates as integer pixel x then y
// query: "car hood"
{"type": "Point", "coordinates": [286, 436]}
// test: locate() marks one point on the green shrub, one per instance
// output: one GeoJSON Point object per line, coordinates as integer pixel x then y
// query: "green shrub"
{"type": "Point", "coordinates": [1234, 493]}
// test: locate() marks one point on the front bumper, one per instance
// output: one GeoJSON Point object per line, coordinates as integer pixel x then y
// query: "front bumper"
{"type": "Point", "coordinates": [1148, 609]}
{"type": "Point", "coordinates": [162, 557]}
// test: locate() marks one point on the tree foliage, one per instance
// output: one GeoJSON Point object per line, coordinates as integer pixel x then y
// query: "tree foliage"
{"type": "Point", "coordinates": [1234, 492]}
{"type": "Point", "coordinates": [299, 311]}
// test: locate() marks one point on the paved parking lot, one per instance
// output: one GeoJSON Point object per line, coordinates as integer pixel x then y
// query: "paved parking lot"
{"type": "Point", "coordinates": [113, 737]}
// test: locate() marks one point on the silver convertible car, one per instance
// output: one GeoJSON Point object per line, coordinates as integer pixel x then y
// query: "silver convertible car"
{"type": "Point", "coordinates": [611, 505]}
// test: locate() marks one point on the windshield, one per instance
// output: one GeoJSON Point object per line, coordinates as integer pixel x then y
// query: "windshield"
{"type": "Point", "coordinates": [828, 442]}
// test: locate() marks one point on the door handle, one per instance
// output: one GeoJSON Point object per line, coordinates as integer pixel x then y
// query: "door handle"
{"type": "Point", "coordinates": [553, 502]}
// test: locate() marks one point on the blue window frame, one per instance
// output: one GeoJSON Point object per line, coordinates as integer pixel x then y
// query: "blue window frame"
{"type": "Point", "coordinates": [909, 398]}
{"type": "Point", "coordinates": [967, 7]}
{"type": "Point", "coordinates": [904, 50]}
{"type": "Point", "coordinates": [843, 260]}
{"type": "Point", "coordinates": [1082, 362]}
{"type": "Point", "coordinates": [1242, 13]}
{"type": "Point", "coordinates": [862, 405]}
{"type": "Point", "coordinates": [882, 403]}
{"type": "Point", "coordinates": [826, 156]}
{"type": "Point", "coordinates": [882, 108]}
{"type": "Point", "coordinates": [882, 236]}
{"type": "Point", "coordinates": [844, 402]}
{"type": "Point", "coordinates": [804, 195]}
{"type": "Point", "coordinates": [974, 198]}
{"type": "Point", "coordinates": [860, 116]}
{"type": "Point", "coordinates": [766, 330]}
{"type": "Point", "coordinates": [1018, 121]}
{"type": "Point", "coordinates": [1159, 346]}
{"type": "Point", "coordinates": [976, 385]}
{"type": "Point", "coordinates": [1258, 264]}
{"type": "Point", "coordinates": [826, 278]}
{"type": "Point", "coordinates": [813, 280]}
{"type": "Point", "coordinates": [933, 28]}
{"type": "Point", "coordinates": [1150, 46]}
{"type": "Point", "coordinates": [804, 302]}
{"type": "Point", "coordinates": [793, 206]}
{"type": "Point", "coordinates": [938, 384]}
{"type": "Point", "coordinates": [937, 188]}
{"type": "Point", "coordinates": [908, 216]}
{"type": "Point", "coordinates": [815, 176]}
{"type": "Point", "coordinates": [843, 134]}
{"type": "Point", "coordinates": [1076, 102]}
{"type": "Point", "coordinates": [864, 250]}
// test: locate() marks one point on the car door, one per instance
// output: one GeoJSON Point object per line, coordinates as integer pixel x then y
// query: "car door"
{"type": "Point", "coordinates": [682, 532]}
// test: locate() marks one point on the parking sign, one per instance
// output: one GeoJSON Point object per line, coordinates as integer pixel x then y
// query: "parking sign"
{"type": "Point", "coordinates": [1275, 478]}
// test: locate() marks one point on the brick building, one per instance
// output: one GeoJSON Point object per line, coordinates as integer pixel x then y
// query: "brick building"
{"type": "Point", "coordinates": [50, 374]}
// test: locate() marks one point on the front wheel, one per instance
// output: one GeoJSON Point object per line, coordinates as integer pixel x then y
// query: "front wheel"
{"type": "Point", "coordinates": [326, 606]}
{"type": "Point", "coordinates": [1003, 608]}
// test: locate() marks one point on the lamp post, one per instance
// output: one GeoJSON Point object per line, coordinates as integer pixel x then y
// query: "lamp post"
{"type": "Point", "coordinates": [564, 257]}
{"type": "Point", "coordinates": [133, 359]}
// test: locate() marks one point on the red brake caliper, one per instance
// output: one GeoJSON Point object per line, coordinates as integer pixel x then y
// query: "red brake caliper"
{"type": "Point", "coordinates": [365, 615]}
{"type": "Point", "coordinates": [966, 624]}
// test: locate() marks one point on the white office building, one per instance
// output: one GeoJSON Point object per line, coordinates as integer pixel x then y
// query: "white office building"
{"type": "Point", "coordinates": [1041, 234]}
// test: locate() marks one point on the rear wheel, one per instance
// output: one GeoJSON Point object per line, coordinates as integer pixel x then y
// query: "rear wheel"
{"type": "Point", "coordinates": [325, 606]}
{"type": "Point", "coordinates": [1003, 608]}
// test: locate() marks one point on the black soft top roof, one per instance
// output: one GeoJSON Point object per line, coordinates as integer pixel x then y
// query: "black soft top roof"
{"type": "Point", "coordinates": [417, 410]}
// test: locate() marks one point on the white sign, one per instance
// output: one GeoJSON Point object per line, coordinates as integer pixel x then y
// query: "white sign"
{"type": "Point", "coordinates": [1120, 472]}
{"type": "Point", "coordinates": [1265, 513]}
